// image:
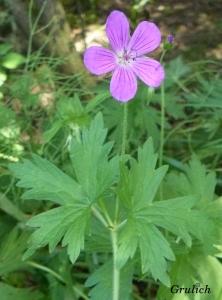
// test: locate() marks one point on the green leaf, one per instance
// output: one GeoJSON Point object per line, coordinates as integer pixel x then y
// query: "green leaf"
{"type": "Point", "coordinates": [4, 48]}
{"type": "Point", "coordinates": [10, 208]}
{"type": "Point", "coordinates": [139, 187]}
{"type": "Point", "coordinates": [101, 283]}
{"type": "Point", "coordinates": [96, 101]}
{"type": "Point", "coordinates": [176, 70]}
{"type": "Point", "coordinates": [180, 217]}
{"type": "Point", "coordinates": [193, 268]}
{"type": "Point", "coordinates": [143, 180]}
{"type": "Point", "coordinates": [9, 292]}
{"type": "Point", "coordinates": [207, 94]}
{"type": "Point", "coordinates": [137, 190]}
{"type": "Point", "coordinates": [51, 132]}
{"type": "Point", "coordinates": [196, 181]}
{"type": "Point", "coordinates": [45, 181]}
{"type": "Point", "coordinates": [72, 111]}
{"type": "Point", "coordinates": [154, 248]}
{"type": "Point", "coordinates": [89, 155]}
{"type": "Point", "coordinates": [12, 60]}
{"type": "Point", "coordinates": [67, 222]}
{"type": "Point", "coordinates": [11, 250]}
{"type": "Point", "coordinates": [201, 182]}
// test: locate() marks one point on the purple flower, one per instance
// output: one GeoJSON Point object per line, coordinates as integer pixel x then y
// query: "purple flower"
{"type": "Point", "coordinates": [126, 58]}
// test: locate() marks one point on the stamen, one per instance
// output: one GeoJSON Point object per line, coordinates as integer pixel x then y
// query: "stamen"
{"type": "Point", "coordinates": [125, 58]}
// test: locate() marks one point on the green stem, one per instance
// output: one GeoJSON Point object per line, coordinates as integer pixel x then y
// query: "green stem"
{"type": "Point", "coordinates": [57, 276]}
{"type": "Point", "coordinates": [123, 149]}
{"type": "Point", "coordinates": [106, 214]}
{"type": "Point", "coordinates": [162, 120]}
{"type": "Point", "coordinates": [162, 133]}
{"type": "Point", "coordinates": [162, 124]}
{"type": "Point", "coordinates": [47, 270]}
{"type": "Point", "coordinates": [116, 273]}
{"type": "Point", "coordinates": [125, 112]}
{"type": "Point", "coordinates": [99, 216]}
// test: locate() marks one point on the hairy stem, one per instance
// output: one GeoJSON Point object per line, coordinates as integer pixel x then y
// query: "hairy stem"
{"type": "Point", "coordinates": [116, 273]}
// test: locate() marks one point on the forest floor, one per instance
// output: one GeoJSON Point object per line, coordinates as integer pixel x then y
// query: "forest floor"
{"type": "Point", "coordinates": [197, 25]}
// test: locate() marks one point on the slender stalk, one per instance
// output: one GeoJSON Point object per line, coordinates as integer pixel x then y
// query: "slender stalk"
{"type": "Point", "coordinates": [162, 134]}
{"type": "Point", "coordinates": [98, 215]}
{"type": "Point", "coordinates": [125, 113]}
{"type": "Point", "coordinates": [106, 214]}
{"type": "Point", "coordinates": [57, 276]}
{"type": "Point", "coordinates": [116, 272]}
{"type": "Point", "coordinates": [162, 123]}
{"type": "Point", "coordinates": [46, 269]}
{"type": "Point", "coordinates": [123, 148]}
{"type": "Point", "coordinates": [114, 237]}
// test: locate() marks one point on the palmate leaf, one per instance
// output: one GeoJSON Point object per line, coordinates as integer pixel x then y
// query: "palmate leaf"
{"type": "Point", "coordinates": [89, 155]}
{"type": "Point", "coordinates": [137, 191]}
{"type": "Point", "coordinates": [44, 181]}
{"type": "Point", "coordinates": [101, 282]}
{"type": "Point", "coordinates": [176, 70]}
{"type": "Point", "coordinates": [67, 222]}
{"type": "Point", "coordinates": [196, 180]}
{"type": "Point", "coordinates": [178, 216]}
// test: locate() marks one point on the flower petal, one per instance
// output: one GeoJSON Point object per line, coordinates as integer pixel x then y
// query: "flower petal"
{"type": "Point", "coordinates": [117, 30]}
{"type": "Point", "coordinates": [123, 84]}
{"type": "Point", "coordinates": [99, 60]}
{"type": "Point", "coordinates": [149, 71]}
{"type": "Point", "coordinates": [146, 38]}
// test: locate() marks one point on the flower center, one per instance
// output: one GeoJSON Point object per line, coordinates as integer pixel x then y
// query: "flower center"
{"type": "Point", "coordinates": [125, 58]}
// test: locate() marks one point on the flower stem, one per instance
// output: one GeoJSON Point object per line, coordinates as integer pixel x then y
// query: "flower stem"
{"type": "Point", "coordinates": [116, 273]}
{"type": "Point", "coordinates": [162, 133]}
{"type": "Point", "coordinates": [125, 113]}
{"type": "Point", "coordinates": [162, 124]}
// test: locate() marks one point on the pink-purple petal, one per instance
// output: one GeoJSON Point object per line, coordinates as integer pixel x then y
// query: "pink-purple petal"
{"type": "Point", "coordinates": [117, 30]}
{"type": "Point", "coordinates": [123, 84]}
{"type": "Point", "coordinates": [149, 71]}
{"type": "Point", "coordinates": [99, 60]}
{"type": "Point", "coordinates": [145, 39]}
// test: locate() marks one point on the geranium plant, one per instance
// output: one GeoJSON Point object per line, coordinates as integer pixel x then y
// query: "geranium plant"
{"type": "Point", "coordinates": [123, 208]}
